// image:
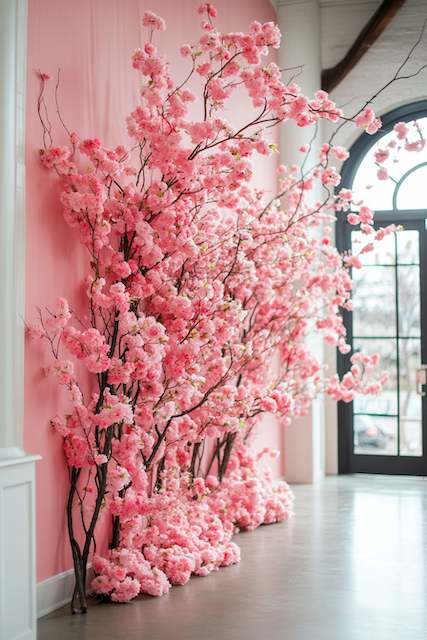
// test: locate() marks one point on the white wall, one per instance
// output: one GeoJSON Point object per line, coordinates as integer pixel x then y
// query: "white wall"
{"type": "Point", "coordinates": [341, 20]}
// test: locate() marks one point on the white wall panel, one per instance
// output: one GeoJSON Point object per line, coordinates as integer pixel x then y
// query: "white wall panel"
{"type": "Point", "coordinates": [17, 550]}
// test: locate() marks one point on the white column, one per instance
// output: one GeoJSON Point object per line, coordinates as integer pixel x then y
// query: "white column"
{"type": "Point", "coordinates": [299, 22]}
{"type": "Point", "coordinates": [12, 224]}
{"type": "Point", "coordinates": [17, 539]}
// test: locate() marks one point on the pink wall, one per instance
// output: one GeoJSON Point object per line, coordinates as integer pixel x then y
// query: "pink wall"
{"type": "Point", "coordinates": [91, 41]}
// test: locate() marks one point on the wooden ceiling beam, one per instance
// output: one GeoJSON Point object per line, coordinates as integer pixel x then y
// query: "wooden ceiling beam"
{"type": "Point", "coordinates": [371, 31]}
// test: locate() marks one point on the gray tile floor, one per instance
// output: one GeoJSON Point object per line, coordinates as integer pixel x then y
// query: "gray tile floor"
{"type": "Point", "coordinates": [350, 566]}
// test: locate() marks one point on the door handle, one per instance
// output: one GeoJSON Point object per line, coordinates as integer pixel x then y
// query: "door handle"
{"type": "Point", "coordinates": [421, 379]}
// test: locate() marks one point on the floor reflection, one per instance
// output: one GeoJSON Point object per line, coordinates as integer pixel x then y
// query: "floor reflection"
{"type": "Point", "coordinates": [388, 548]}
{"type": "Point", "coordinates": [350, 566]}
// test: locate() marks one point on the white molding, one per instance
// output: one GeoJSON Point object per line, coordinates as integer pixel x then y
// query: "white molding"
{"type": "Point", "coordinates": [14, 462]}
{"type": "Point", "coordinates": [288, 3]}
{"type": "Point", "coordinates": [349, 3]}
{"type": "Point", "coordinates": [13, 56]}
{"type": "Point", "coordinates": [17, 549]}
{"type": "Point", "coordinates": [54, 592]}
{"type": "Point", "coordinates": [57, 591]}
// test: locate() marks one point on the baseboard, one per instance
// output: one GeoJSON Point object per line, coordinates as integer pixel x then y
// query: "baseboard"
{"type": "Point", "coordinates": [55, 592]}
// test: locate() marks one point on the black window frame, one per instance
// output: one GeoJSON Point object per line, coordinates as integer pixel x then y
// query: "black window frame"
{"type": "Point", "coordinates": [358, 151]}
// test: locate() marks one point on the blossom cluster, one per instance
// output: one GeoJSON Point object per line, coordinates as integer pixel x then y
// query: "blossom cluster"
{"type": "Point", "coordinates": [187, 530]}
{"type": "Point", "coordinates": [408, 137]}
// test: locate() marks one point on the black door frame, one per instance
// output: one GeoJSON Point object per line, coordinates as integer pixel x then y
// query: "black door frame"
{"type": "Point", "coordinates": [348, 462]}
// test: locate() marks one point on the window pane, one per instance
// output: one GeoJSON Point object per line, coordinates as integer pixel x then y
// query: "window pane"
{"type": "Point", "coordinates": [392, 422]}
{"type": "Point", "coordinates": [409, 362]}
{"type": "Point", "coordinates": [409, 301]}
{"type": "Point", "coordinates": [408, 247]}
{"type": "Point", "coordinates": [410, 402]}
{"type": "Point", "coordinates": [386, 401]}
{"type": "Point", "coordinates": [374, 301]}
{"type": "Point", "coordinates": [378, 194]}
{"type": "Point", "coordinates": [412, 193]}
{"type": "Point", "coordinates": [411, 438]}
{"type": "Point", "coordinates": [375, 435]}
{"type": "Point", "coordinates": [383, 253]}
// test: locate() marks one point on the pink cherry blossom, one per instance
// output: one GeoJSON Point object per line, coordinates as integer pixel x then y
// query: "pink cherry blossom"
{"type": "Point", "coordinates": [382, 173]}
{"type": "Point", "coordinates": [368, 121]}
{"type": "Point", "coordinates": [401, 130]}
{"type": "Point", "coordinates": [150, 19]}
{"type": "Point", "coordinates": [196, 282]}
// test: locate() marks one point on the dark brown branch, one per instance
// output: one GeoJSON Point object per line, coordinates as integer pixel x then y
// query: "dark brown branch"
{"type": "Point", "coordinates": [78, 602]}
{"type": "Point", "coordinates": [366, 38]}
{"type": "Point", "coordinates": [222, 468]}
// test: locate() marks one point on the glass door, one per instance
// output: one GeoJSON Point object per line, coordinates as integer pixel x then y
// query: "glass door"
{"type": "Point", "coordinates": [387, 433]}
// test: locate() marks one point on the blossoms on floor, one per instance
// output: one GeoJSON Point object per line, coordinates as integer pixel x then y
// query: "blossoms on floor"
{"type": "Point", "coordinates": [187, 530]}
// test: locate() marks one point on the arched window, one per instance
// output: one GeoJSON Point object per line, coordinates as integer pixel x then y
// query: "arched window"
{"type": "Point", "coordinates": [388, 433]}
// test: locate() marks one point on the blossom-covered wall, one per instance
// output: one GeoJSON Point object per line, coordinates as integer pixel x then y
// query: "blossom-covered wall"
{"type": "Point", "coordinates": [91, 42]}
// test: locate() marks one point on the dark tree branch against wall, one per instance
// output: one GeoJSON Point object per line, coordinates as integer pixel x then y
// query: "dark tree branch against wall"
{"type": "Point", "coordinates": [366, 38]}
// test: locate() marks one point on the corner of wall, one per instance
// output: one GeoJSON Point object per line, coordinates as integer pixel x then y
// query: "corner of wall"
{"type": "Point", "coordinates": [56, 591]}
